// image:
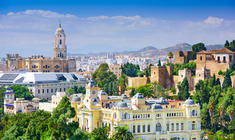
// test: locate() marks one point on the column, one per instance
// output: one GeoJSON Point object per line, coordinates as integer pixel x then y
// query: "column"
{"type": "Point", "coordinates": [90, 123]}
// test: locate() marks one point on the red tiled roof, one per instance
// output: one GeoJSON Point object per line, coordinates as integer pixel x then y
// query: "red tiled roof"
{"type": "Point", "coordinates": [224, 50]}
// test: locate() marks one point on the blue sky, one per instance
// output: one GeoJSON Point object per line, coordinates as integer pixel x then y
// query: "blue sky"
{"type": "Point", "coordinates": [27, 26]}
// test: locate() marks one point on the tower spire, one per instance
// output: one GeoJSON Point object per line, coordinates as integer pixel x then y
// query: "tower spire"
{"type": "Point", "coordinates": [59, 24]}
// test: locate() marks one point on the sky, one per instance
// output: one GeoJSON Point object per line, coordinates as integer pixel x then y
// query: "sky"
{"type": "Point", "coordinates": [27, 27]}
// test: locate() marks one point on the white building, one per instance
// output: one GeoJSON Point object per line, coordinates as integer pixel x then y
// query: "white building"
{"type": "Point", "coordinates": [43, 85]}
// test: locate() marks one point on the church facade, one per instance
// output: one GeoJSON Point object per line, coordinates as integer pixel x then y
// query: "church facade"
{"type": "Point", "coordinates": [59, 62]}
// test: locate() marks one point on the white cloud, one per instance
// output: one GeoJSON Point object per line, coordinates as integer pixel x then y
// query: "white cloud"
{"type": "Point", "coordinates": [213, 20]}
{"type": "Point", "coordinates": [32, 32]}
{"type": "Point", "coordinates": [42, 13]}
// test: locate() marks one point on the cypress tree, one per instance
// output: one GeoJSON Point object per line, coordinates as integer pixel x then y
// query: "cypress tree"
{"type": "Point", "coordinates": [227, 80]}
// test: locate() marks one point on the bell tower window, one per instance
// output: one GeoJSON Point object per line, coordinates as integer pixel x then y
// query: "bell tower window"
{"type": "Point", "coordinates": [60, 42]}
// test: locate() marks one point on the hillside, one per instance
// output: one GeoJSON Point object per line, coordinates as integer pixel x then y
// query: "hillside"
{"type": "Point", "coordinates": [151, 51]}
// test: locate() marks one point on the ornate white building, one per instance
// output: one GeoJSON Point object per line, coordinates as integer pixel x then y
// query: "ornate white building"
{"type": "Point", "coordinates": [148, 119]}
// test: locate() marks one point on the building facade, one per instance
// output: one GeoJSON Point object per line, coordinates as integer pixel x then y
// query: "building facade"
{"type": "Point", "coordinates": [182, 57]}
{"type": "Point", "coordinates": [12, 106]}
{"type": "Point", "coordinates": [215, 60]}
{"type": "Point", "coordinates": [149, 119]}
{"type": "Point", "coordinates": [43, 85]}
{"type": "Point", "coordinates": [59, 62]}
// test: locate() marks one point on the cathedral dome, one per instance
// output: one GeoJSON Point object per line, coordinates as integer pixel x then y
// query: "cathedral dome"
{"type": "Point", "coordinates": [189, 102]}
{"type": "Point", "coordinates": [122, 104]}
{"type": "Point", "coordinates": [156, 106]}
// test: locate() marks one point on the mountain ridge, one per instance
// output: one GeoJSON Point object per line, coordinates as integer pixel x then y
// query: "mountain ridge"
{"type": "Point", "coordinates": [151, 51]}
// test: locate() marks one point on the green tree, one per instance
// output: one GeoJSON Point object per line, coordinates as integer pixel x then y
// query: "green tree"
{"type": "Point", "coordinates": [159, 63]}
{"type": "Point", "coordinates": [58, 126]}
{"type": "Point", "coordinates": [227, 80]}
{"type": "Point", "coordinates": [122, 82]}
{"type": "Point", "coordinates": [205, 117]}
{"type": "Point", "coordinates": [183, 87]}
{"type": "Point", "coordinates": [170, 55]}
{"type": "Point", "coordinates": [122, 133]}
{"type": "Point", "coordinates": [22, 92]}
{"type": "Point", "coordinates": [226, 45]}
{"type": "Point", "coordinates": [75, 90]}
{"type": "Point", "coordinates": [106, 79]}
{"type": "Point", "coordinates": [230, 46]}
{"type": "Point", "coordinates": [130, 69]}
{"type": "Point", "coordinates": [100, 134]}
{"type": "Point", "coordinates": [197, 48]}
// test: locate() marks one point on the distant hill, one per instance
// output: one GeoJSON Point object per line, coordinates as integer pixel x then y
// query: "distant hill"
{"type": "Point", "coordinates": [151, 51]}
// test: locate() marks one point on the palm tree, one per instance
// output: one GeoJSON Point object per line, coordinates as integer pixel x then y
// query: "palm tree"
{"type": "Point", "coordinates": [122, 133]}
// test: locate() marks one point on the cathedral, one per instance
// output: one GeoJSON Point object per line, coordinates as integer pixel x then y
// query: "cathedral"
{"type": "Point", "coordinates": [59, 62]}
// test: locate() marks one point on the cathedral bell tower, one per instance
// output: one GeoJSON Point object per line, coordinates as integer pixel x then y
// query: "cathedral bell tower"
{"type": "Point", "coordinates": [60, 49]}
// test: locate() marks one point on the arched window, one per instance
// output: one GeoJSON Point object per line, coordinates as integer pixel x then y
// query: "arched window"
{"type": "Point", "coordinates": [158, 127]}
{"type": "Point", "coordinates": [194, 113]}
{"type": "Point", "coordinates": [60, 42]}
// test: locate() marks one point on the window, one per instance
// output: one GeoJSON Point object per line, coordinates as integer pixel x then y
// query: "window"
{"type": "Point", "coordinates": [193, 125]}
{"type": "Point", "coordinates": [42, 90]}
{"type": "Point", "coordinates": [51, 90]}
{"type": "Point", "coordinates": [60, 41]}
{"type": "Point", "coordinates": [168, 127]}
{"type": "Point", "coordinates": [158, 127]}
{"type": "Point", "coordinates": [172, 127]}
{"type": "Point", "coordinates": [38, 90]}
{"type": "Point", "coordinates": [149, 129]}
{"type": "Point", "coordinates": [143, 129]}
{"type": "Point", "coordinates": [193, 138]}
{"type": "Point", "coordinates": [224, 59]}
{"type": "Point", "coordinates": [200, 57]}
{"type": "Point", "coordinates": [47, 90]}
{"type": "Point", "coordinates": [194, 113]}
{"type": "Point", "coordinates": [182, 126]}
{"type": "Point", "coordinates": [218, 59]}
{"type": "Point", "coordinates": [230, 58]}
{"type": "Point", "coordinates": [177, 126]}
{"type": "Point", "coordinates": [133, 128]}
{"type": "Point", "coordinates": [138, 128]}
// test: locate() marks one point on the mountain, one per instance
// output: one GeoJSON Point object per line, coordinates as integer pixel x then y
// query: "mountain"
{"type": "Point", "coordinates": [151, 51]}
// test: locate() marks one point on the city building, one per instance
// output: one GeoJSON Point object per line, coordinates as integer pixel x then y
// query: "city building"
{"type": "Point", "coordinates": [215, 61]}
{"type": "Point", "coordinates": [162, 75]}
{"type": "Point", "coordinates": [148, 119]}
{"type": "Point", "coordinates": [59, 62]}
{"type": "Point", "coordinates": [12, 106]}
{"type": "Point", "coordinates": [55, 100]}
{"type": "Point", "coordinates": [43, 85]}
{"type": "Point", "coordinates": [182, 57]}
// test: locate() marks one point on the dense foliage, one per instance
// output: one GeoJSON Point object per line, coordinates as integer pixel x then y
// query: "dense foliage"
{"type": "Point", "coordinates": [75, 90]}
{"type": "Point", "coordinates": [106, 79]}
{"type": "Point", "coordinates": [217, 106]}
{"type": "Point", "coordinates": [40, 124]}
{"type": "Point", "coordinates": [22, 92]}
{"type": "Point", "coordinates": [197, 48]}
{"type": "Point", "coordinates": [190, 65]}
{"type": "Point", "coordinates": [230, 46]}
{"type": "Point", "coordinates": [130, 69]}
